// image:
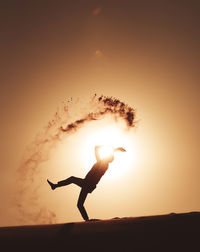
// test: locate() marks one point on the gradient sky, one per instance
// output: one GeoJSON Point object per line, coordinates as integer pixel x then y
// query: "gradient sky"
{"type": "Point", "coordinates": [146, 53]}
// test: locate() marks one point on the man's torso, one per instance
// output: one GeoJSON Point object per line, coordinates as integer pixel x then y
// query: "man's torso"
{"type": "Point", "coordinates": [95, 174]}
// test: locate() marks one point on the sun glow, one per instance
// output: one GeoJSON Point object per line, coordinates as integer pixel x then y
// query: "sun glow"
{"type": "Point", "coordinates": [105, 151]}
{"type": "Point", "coordinates": [110, 137]}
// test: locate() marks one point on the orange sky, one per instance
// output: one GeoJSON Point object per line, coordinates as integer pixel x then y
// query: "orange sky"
{"type": "Point", "coordinates": [147, 55]}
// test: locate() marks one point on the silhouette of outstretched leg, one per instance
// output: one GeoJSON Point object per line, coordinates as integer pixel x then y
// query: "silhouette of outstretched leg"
{"type": "Point", "coordinates": [68, 181]}
{"type": "Point", "coordinates": [71, 180]}
{"type": "Point", "coordinates": [81, 200]}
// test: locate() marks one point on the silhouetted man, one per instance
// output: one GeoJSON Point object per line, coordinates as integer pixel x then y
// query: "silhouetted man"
{"type": "Point", "coordinates": [88, 184]}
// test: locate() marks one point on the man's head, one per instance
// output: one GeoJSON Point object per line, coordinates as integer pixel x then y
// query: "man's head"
{"type": "Point", "coordinates": [108, 159]}
{"type": "Point", "coordinates": [106, 153]}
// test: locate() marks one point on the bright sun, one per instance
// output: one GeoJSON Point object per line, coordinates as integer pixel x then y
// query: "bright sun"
{"type": "Point", "coordinates": [105, 151]}
{"type": "Point", "coordinates": [109, 137]}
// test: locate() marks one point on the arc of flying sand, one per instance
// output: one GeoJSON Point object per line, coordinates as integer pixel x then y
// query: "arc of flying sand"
{"type": "Point", "coordinates": [39, 151]}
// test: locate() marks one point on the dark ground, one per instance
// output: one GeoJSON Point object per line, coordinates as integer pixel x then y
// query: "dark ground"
{"type": "Point", "coordinates": [172, 232]}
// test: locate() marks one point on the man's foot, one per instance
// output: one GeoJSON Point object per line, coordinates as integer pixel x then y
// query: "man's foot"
{"type": "Point", "coordinates": [53, 186]}
{"type": "Point", "coordinates": [93, 220]}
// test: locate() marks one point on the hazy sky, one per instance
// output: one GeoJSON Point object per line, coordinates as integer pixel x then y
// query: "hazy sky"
{"type": "Point", "coordinates": [146, 53]}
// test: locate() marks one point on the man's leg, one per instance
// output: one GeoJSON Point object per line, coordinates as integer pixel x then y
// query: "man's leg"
{"type": "Point", "coordinates": [81, 200]}
{"type": "Point", "coordinates": [70, 180]}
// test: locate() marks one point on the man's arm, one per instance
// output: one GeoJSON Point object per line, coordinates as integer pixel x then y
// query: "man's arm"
{"type": "Point", "coordinates": [97, 153]}
{"type": "Point", "coordinates": [120, 149]}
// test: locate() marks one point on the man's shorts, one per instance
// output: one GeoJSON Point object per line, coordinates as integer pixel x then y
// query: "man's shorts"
{"type": "Point", "coordinates": [89, 187]}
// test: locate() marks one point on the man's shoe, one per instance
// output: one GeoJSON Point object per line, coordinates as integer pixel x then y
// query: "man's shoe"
{"type": "Point", "coordinates": [53, 186]}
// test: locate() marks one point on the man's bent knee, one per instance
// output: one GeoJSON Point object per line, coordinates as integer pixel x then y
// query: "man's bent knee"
{"type": "Point", "coordinates": [80, 205]}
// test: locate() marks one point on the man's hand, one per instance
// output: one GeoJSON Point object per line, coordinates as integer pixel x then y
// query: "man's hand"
{"type": "Point", "coordinates": [120, 149]}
